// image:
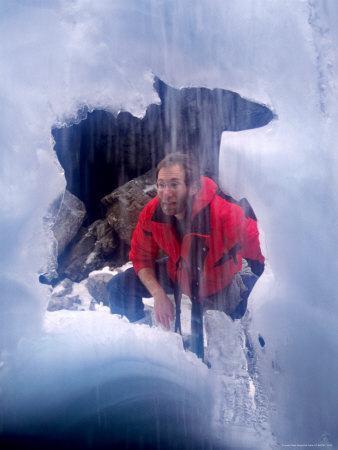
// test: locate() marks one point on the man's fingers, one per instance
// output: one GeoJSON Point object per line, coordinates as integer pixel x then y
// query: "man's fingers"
{"type": "Point", "coordinates": [165, 321]}
{"type": "Point", "coordinates": [162, 318]}
{"type": "Point", "coordinates": [164, 311]}
{"type": "Point", "coordinates": [171, 312]}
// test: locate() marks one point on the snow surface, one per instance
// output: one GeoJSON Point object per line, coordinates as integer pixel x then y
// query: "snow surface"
{"type": "Point", "coordinates": [58, 56]}
{"type": "Point", "coordinates": [79, 351]}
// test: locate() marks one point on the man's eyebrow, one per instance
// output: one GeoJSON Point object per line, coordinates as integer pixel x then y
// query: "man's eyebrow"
{"type": "Point", "coordinates": [171, 179]}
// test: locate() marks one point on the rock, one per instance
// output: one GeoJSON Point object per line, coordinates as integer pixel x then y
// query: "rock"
{"type": "Point", "coordinates": [63, 288]}
{"type": "Point", "coordinates": [48, 277]}
{"type": "Point", "coordinates": [97, 286]}
{"type": "Point", "coordinates": [107, 242]}
{"type": "Point", "coordinates": [126, 202]}
{"type": "Point", "coordinates": [68, 221]}
{"type": "Point", "coordinates": [93, 249]}
{"type": "Point", "coordinates": [65, 302]}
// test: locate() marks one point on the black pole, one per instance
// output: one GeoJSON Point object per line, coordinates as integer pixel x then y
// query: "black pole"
{"type": "Point", "coordinates": [196, 343]}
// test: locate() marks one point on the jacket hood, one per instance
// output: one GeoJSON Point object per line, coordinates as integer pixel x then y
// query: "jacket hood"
{"type": "Point", "coordinates": [204, 196]}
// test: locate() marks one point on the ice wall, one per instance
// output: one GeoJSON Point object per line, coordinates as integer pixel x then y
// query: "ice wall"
{"type": "Point", "coordinates": [57, 56]}
{"type": "Point", "coordinates": [287, 170]}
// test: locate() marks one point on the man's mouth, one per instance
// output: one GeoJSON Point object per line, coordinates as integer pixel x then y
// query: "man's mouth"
{"type": "Point", "coordinates": [168, 207]}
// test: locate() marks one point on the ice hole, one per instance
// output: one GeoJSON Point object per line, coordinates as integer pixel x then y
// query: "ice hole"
{"type": "Point", "coordinates": [102, 151]}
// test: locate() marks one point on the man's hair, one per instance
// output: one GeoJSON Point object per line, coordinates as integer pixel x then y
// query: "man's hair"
{"type": "Point", "coordinates": [188, 164]}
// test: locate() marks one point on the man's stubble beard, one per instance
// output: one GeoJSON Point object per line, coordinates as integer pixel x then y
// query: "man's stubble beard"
{"type": "Point", "coordinates": [179, 207]}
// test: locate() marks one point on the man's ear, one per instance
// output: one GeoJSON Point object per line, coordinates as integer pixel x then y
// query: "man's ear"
{"type": "Point", "coordinates": [193, 189]}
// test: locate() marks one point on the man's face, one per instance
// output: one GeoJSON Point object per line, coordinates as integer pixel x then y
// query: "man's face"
{"type": "Point", "coordinates": [172, 191]}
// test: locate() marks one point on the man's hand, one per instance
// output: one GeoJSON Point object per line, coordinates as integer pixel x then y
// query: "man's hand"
{"type": "Point", "coordinates": [164, 310]}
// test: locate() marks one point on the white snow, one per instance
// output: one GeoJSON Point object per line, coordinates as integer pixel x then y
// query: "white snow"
{"type": "Point", "coordinates": [91, 257]}
{"type": "Point", "coordinates": [149, 188]}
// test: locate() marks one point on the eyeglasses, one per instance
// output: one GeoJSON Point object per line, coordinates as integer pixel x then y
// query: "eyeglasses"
{"type": "Point", "coordinates": [172, 186]}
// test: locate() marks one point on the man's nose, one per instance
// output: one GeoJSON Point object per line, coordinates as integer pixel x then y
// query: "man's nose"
{"type": "Point", "coordinates": [167, 190]}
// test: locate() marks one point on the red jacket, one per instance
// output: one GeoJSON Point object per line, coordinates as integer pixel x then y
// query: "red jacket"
{"type": "Point", "coordinates": [211, 251]}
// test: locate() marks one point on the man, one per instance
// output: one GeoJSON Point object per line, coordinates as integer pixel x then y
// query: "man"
{"type": "Point", "coordinates": [205, 237]}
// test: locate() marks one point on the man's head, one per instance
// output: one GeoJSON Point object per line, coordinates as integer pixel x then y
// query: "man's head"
{"type": "Point", "coordinates": [178, 180]}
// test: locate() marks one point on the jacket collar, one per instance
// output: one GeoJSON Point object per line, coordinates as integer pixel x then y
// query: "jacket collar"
{"type": "Point", "coordinates": [204, 196]}
{"type": "Point", "coordinates": [160, 217]}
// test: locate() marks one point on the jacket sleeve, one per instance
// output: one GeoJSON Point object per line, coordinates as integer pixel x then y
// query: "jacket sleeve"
{"type": "Point", "coordinates": [251, 248]}
{"type": "Point", "coordinates": [144, 249]}
{"type": "Point", "coordinates": [245, 232]}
